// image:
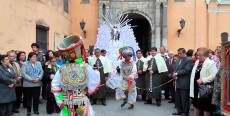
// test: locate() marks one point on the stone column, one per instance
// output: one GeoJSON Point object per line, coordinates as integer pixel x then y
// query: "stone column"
{"type": "Point", "coordinates": [157, 28]}
{"type": "Point", "coordinates": [165, 27]}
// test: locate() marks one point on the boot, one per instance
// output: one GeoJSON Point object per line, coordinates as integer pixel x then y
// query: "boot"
{"type": "Point", "coordinates": [148, 101]}
{"type": "Point", "coordinates": [158, 102]}
{"type": "Point", "coordinates": [131, 106]}
{"type": "Point", "coordinates": [124, 102]}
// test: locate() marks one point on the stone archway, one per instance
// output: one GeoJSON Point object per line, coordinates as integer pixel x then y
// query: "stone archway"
{"type": "Point", "coordinates": [136, 11]}
{"type": "Point", "coordinates": [143, 28]}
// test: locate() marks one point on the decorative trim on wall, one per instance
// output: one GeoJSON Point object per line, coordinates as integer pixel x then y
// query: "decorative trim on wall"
{"type": "Point", "coordinates": [223, 2]}
{"type": "Point", "coordinates": [219, 10]}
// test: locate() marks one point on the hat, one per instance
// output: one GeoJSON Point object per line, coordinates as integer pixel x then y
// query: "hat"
{"type": "Point", "coordinates": [127, 51]}
{"type": "Point", "coordinates": [72, 48]}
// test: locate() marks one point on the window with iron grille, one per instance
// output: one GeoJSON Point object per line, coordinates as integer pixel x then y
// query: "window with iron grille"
{"type": "Point", "coordinates": [66, 6]}
{"type": "Point", "coordinates": [42, 38]}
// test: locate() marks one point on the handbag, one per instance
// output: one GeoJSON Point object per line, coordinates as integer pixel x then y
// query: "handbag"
{"type": "Point", "coordinates": [205, 91]}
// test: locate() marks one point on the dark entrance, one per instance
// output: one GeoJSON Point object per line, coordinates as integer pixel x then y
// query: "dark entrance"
{"type": "Point", "coordinates": [142, 31]}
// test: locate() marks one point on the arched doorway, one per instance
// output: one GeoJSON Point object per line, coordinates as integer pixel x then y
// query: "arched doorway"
{"type": "Point", "coordinates": [142, 31]}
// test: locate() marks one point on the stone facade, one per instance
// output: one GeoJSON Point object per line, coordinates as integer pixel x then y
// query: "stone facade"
{"type": "Point", "coordinates": [155, 11]}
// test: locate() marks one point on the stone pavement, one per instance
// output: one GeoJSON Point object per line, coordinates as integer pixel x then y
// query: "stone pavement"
{"type": "Point", "coordinates": [113, 109]}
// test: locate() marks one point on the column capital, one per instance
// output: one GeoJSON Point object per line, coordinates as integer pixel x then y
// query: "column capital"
{"type": "Point", "coordinates": [157, 5]}
{"type": "Point", "coordinates": [165, 4]}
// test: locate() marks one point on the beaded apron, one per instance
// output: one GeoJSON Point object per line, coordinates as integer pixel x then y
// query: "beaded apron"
{"type": "Point", "coordinates": [73, 83]}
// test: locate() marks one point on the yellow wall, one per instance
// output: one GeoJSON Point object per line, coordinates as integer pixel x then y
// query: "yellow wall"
{"type": "Point", "coordinates": [18, 22]}
{"type": "Point", "coordinates": [202, 28]}
{"type": "Point", "coordinates": [175, 13]}
{"type": "Point", "coordinates": [88, 13]}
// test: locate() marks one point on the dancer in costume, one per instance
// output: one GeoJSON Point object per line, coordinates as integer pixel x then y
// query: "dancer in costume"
{"type": "Point", "coordinates": [125, 81]}
{"type": "Point", "coordinates": [74, 79]}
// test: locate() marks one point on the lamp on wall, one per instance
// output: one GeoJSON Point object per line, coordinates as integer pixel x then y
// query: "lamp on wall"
{"type": "Point", "coordinates": [182, 24]}
{"type": "Point", "coordinates": [82, 25]}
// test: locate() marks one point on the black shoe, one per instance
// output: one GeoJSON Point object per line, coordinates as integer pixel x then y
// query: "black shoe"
{"type": "Point", "coordinates": [58, 111]}
{"type": "Point", "coordinates": [176, 113]}
{"type": "Point", "coordinates": [12, 113]}
{"type": "Point", "coordinates": [93, 102]}
{"type": "Point", "coordinates": [104, 103]}
{"type": "Point", "coordinates": [36, 112]}
{"type": "Point", "coordinates": [143, 97]}
{"type": "Point", "coordinates": [148, 101]}
{"type": "Point", "coordinates": [40, 102]}
{"type": "Point", "coordinates": [15, 111]}
{"type": "Point", "coordinates": [167, 98]}
{"type": "Point", "coordinates": [49, 112]}
{"type": "Point", "coordinates": [171, 101]}
{"type": "Point", "coordinates": [158, 102]}
{"type": "Point", "coordinates": [28, 113]}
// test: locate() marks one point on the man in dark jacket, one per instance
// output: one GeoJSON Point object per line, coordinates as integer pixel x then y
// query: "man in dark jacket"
{"type": "Point", "coordinates": [182, 75]}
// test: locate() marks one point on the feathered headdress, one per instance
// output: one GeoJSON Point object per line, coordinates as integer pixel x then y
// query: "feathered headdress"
{"type": "Point", "coordinates": [127, 51]}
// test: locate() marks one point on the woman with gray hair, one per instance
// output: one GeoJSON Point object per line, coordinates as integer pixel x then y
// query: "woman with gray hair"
{"type": "Point", "coordinates": [7, 82]}
{"type": "Point", "coordinates": [201, 83]}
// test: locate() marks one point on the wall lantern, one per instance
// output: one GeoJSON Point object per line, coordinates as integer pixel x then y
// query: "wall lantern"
{"type": "Point", "coordinates": [182, 24]}
{"type": "Point", "coordinates": [82, 25]}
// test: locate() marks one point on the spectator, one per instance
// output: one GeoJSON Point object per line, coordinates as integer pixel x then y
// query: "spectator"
{"type": "Point", "coordinates": [216, 58]}
{"type": "Point", "coordinates": [165, 88]}
{"type": "Point", "coordinates": [49, 73]}
{"type": "Point", "coordinates": [18, 86]}
{"type": "Point", "coordinates": [32, 73]}
{"type": "Point", "coordinates": [59, 59]}
{"type": "Point", "coordinates": [7, 82]}
{"type": "Point", "coordinates": [190, 53]}
{"type": "Point", "coordinates": [211, 53]}
{"type": "Point", "coordinates": [204, 72]}
{"type": "Point", "coordinates": [49, 55]}
{"type": "Point", "coordinates": [103, 52]}
{"type": "Point", "coordinates": [171, 68]}
{"type": "Point", "coordinates": [182, 76]}
{"type": "Point", "coordinates": [39, 55]}
{"type": "Point", "coordinates": [216, 97]}
{"type": "Point", "coordinates": [21, 58]}
{"type": "Point", "coordinates": [163, 53]}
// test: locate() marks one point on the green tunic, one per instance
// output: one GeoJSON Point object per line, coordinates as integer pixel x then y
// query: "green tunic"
{"type": "Point", "coordinates": [157, 79]}
{"type": "Point", "coordinates": [140, 81]}
{"type": "Point", "coordinates": [101, 92]}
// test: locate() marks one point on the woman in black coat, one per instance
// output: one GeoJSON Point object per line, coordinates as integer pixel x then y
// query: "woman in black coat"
{"type": "Point", "coordinates": [50, 71]}
{"type": "Point", "coordinates": [7, 90]}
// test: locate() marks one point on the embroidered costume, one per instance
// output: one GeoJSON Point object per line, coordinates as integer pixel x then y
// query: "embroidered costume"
{"type": "Point", "coordinates": [123, 79]}
{"type": "Point", "coordinates": [74, 79]}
